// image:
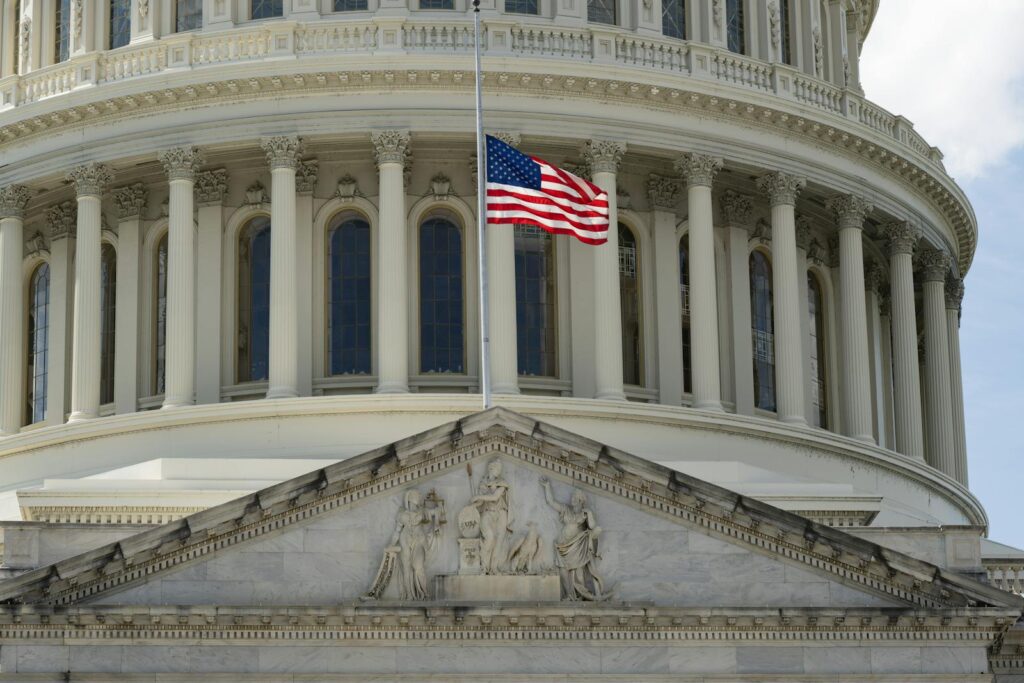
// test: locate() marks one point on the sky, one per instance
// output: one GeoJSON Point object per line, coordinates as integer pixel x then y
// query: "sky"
{"type": "Point", "coordinates": [959, 76]}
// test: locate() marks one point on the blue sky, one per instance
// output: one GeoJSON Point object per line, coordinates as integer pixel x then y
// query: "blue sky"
{"type": "Point", "coordinates": [959, 76]}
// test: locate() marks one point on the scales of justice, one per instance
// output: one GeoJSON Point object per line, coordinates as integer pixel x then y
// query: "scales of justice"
{"type": "Point", "coordinates": [500, 558]}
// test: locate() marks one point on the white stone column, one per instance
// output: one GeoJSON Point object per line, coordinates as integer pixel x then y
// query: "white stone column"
{"type": "Point", "coordinates": [736, 210]}
{"type": "Point", "coordinates": [782, 190]}
{"type": "Point", "coordinates": [663, 195]}
{"type": "Point", "coordinates": [283, 156]}
{"type": "Point", "coordinates": [604, 157]}
{"type": "Point", "coordinates": [306, 176]}
{"type": "Point", "coordinates": [905, 368]}
{"type": "Point", "coordinates": [181, 164]}
{"type": "Point", "coordinates": [941, 452]}
{"type": "Point", "coordinates": [501, 271]}
{"type": "Point", "coordinates": [13, 200]}
{"type": "Point", "coordinates": [62, 268]}
{"type": "Point", "coordinates": [83, 29]}
{"type": "Point", "coordinates": [954, 296]}
{"type": "Point", "coordinates": [210, 189]}
{"type": "Point", "coordinates": [392, 148]}
{"type": "Point", "coordinates": [854, 26]}
{"type": "Point", "coordinates": [89, 181]}
{"type": "Point", "coordinates": [803, 243]}
{"type": "Point", "coordinates": [145, 20]}
{"type": "Point", "coordinates": [699, 171]}
{"type": "Point", "coordinates": [131, 203]}
{"type": "Point", "coordinates": [855, 370]}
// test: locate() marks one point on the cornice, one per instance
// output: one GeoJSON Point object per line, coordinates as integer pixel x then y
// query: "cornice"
{"type": "Point", "coordinates": [837, 135]}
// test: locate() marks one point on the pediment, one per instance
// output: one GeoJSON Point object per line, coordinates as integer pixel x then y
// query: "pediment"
{"type": "Point", "coordinates": [461, 514]}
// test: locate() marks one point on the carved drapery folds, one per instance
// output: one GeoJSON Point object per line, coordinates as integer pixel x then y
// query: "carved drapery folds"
{"type": "Point", "coordinates": [850, 210]}
{"type": "Point", "coordinates": [61, 218]}
{"type": "Point", "coordinates": [13, 200]}
{"type": "Point", "coordinates": [212, 186]}
{"type": "Point", "coordinates": [283, 151]}
{"type": "Point", "coordinates": [306, 175]}
{"type": "Point", "coordinates": [698, 169]}
{"type": "Point", "coordinates": [89, 179]}
{"type": "Point", "coordinates": [181, 163]}
{"type": "Point", "coordinates": [934, 264]}
{"type": "Point", "coordinates": [736, 209]}
{"type": "Point", "coordinates": [903, 237]}
{"type": "Point", "coordinates": [603, 156]}
{"type": "Point", "coordinates": [781, 188]}
{"type": "Point", "coordinates": [390, 146]}
{"type": "Point", "coordinates": [662, 192]}
{"type": "Point", "coordinates": [131, 200]}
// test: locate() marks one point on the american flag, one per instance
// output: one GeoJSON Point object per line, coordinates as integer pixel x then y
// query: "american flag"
{"type": "Point", "coordinates": [527, 190]}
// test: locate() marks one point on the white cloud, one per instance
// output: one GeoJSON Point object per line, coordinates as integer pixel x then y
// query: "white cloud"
{"type": "Point", "coordinates": [956, 69]}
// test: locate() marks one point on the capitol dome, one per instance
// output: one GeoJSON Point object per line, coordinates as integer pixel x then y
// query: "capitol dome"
{"type": "Point", "coordinates": [238, 239]}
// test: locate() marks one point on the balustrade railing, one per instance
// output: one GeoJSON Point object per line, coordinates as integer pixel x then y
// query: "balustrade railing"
{"type": "Point", "coordinates": [1007, 575]}
{"type": "Point", "coordinates": [318, 38]}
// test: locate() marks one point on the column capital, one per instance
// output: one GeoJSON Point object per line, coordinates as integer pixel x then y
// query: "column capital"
{"type": "Point", "coordinates": [736, 209]}
{"type": "Point", "coordinates": [903, 237]}
{"type": "Point", "coordinates": [934, 264]}
{"type": "Point", "coordinates": [698, 169]}
{"type": "Point", "coordinates": [803, 233]}
{"type": "Point", "coordinates": [62, 218]}
{"type": "Point", "coordinates": [850, 210]}
{"type": "Point", "coordinates": [662, 191]}
{"type": "Point", "coordinates": [390, 146]}
{"type": "Point", "coordinates": [131, 200]}
{"type": "Point", "coordinates": [954, 292]}
{"type": "Point", "coordinates": [211, 186]}
{"type": "Point", "coordinates": [13, 200]}
{"type": "Point", "coordinates": [283, 151]}
{"type": "Point", "coordinates": [89, 179]}
{"type": "Point", "coordinates": [781, 188]}
{"type": "Point", "coordinates": [181, 163]}
{"type": "Point", "coordinates": [306, 175]}
{"type": "Point", "coordinates": [604, 156]}
{"type": "Point", "coordinates": [874, 277]}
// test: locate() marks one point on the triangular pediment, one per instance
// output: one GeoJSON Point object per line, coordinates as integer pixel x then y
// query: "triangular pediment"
{"type": "Point", "coordinates": [650, 535]}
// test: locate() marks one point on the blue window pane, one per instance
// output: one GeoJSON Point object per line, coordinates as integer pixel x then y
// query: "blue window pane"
{"type": "Point", "coordinates": [673, 18]}
{"type": "Point", "coordinates": [437, 4]}
{"type": "Point", "coordinates": [684, 296]}
{"type": "Point", "coordinates": [108, 307]}
{"type": "Point", "coordinates": [188, 15]}
{"type": "Point", "coordinates": [38, 338]}
{"type": "Point", "coordinates": [735, 24]}
{"type": "Point", "coordinates": [266, 9]}
{"type": "Point", "coordinates": [441, 297]}
{"type": "Point", "coordinates": [160, 317]}
{"type": "Point", "coordinates": [816, 317]}
{"type": "Point", "coordinates": [629, 294]}
{"type": "Point", "coordinates": [120, 23]}
{"type": "Point", "coordinates": [348, 306]}
{"type": "Point", "coordinates": [762, 331]}
{"type": "Point", "coordinates": [601, 11]}
{"type": "Point", "coordinates": [350, 5]}
{"type": "Point", "coordinates": [785, 29]}
{"type": "Point", "coordinates": [535, 302]}
{"type": "Point", "coordinates": [521, 6]}
{"type": "Point", "coordinates": [254, 301]}
{"type": "Point", "coordinates": [62, 26]}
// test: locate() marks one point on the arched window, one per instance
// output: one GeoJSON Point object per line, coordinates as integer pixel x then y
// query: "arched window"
{"type": "Point", "coordinates": [38, 342]}
{"type": "Point", "coordinates": [816, 317]}
{"type": "Point", "coordinates": [736, 26]}
{"type": "Point", "coordinates": [602, 12]}
{"type": "Point", "coordinates": [188, 15]}
{"type": "Point", "coordinates": [348, 295]}
{"type": "Point", "coordinates": [266, 9]}
{"type": "Point", "coordinates": [629, 293]}
{"type": "Point", "coordinates": [62, 31]}
{"type": "Point", "coordinates": [160, 317]}
{"type": "Point", "coordinates": [535, 302]}
{"type": "Point", "coordinates": [108, 307]}
{"type": "Point", "coordinates": [762, 330]}
{"type": "Point", "coordinates": [120, 23]}
{"type": "Point", "coordinates": [254, 300]}
{"type": "Point", "coordinates": [785, 27]}
{"type": "Point", "coordinates": [673, 18]}
{"type": "Point", "coordinates": [442, 347]}
{"type": "Point", "coordinates": [684, 296]}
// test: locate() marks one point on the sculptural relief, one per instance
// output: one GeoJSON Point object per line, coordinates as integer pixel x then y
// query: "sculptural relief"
{"type": "Point", "coordinates": [576, 550]}
{"type": "Point", "coordinates": [494, 500]}
{"type": "Point", "coordinates": [418, 527]}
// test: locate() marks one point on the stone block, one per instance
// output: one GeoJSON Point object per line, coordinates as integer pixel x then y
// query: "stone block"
{"type": "Point", "coordinates": [830, 659]}
{"type": "Point", "coordinates": [42, 658]}
{"type": "Point", "coordinates": [769, 660]}
{"type": "Point", "coordinates": [313, 567]}
{"type": "Point", "coordinates": [895, 660]}
{"type": "Point", "coordinates": [297, 660]}
{"type": "Point", "coordinates": [634, 660]}
{"type": "Point", "coordinates": [702, 660]}
{"type": "Point", "coordinates": [223, 659]}
{"type": "Point", "coordinates": [95, 659]}
{"type": "Point", "coordinates": [516, 588]}
{"type": "Point", "coordinates": [946, 659]}
{"type": "Point", "coordinates": [142, 659]}
{"type": "Point", "coordinates": [238, 566]}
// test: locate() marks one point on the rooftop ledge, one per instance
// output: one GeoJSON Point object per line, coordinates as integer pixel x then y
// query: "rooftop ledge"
{"type": "Point", "coordinates": [453, 406]}
{"type": "Point", "coordinates": [306, 53]}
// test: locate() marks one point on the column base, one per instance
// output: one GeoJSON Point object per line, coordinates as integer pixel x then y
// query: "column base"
{"type": "Point", "coordinates": [82, 416]}
{"type": "Point", "coordinates": [610, 396]}
{"type": "Point", "coordinates": [712, 406]}
{"type": "Point", "coordinates": [867, 438]}
{"type": "Point", "coordinates": [505, 389]}
{"type": "Point", "coordinates": [392, 388]}
{"type": "Point", "coordinates": [282, 392]}
{"type": "Point", "coordinates": [170, 404]}
{"type": "Point", "coordinates": [798, 420]}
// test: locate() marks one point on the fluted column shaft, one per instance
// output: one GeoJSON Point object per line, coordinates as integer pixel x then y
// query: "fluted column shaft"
{"type": "Point", "coordinates": [850, 211]}
{"type": "Point", "coordinates": [391, 148]}
{"type": "Point", "coordinates": [13, 200]}
{"type": "Point", "coordinates": [180, 367]}
{"type": "Point", "coordinates": [131, 203]}
{"type": "Point", "coordinates": [604, 157]}
{"type": "Point", "coordinates": [954, 295]}
{"type": "Point", "coordinates": [905, 367]}
{"type": "Point", "coordinates": [941, 440]}
{"type": "Point", "coordinates": [782, 190]}
{"type": "Point", "coordinates": [89, 182]}
{"type": "Point", "coordinates": [501, 271]}
{"type": "Point", "coordinates": [283, 372]}
{"type": "Point", "coordinates": [699, 171]}
{"type": "Point", "coordinates": [663, 195]}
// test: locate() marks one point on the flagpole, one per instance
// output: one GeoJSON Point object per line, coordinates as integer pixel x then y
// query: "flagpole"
{"type": "Point", "coordinates": [481, 214]}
